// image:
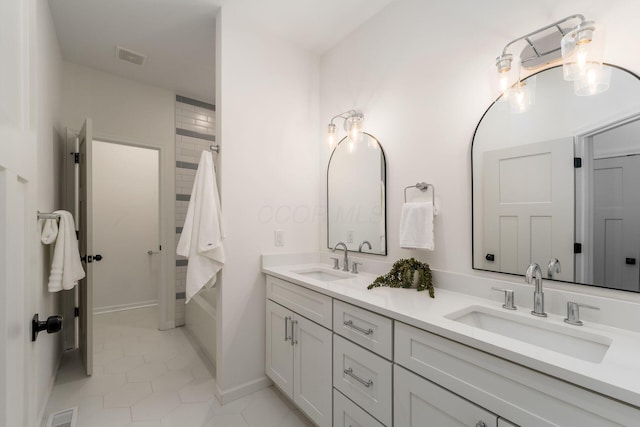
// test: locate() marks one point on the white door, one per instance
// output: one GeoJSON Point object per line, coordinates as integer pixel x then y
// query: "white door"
{"type": "Point", "coordinates": [616, 223]}
{"type": "Point", "coordinates": [529, 207]}
{"type": "Point", "coordinates": [418, 402]}
{"type": "Point", "coordinates": [17, 214]}
{"type": "Point", "coordinates": [279, 357]}
{"type": "Point", "coordinates": [312, 373]}
{"type": "Point", "coordinates": [86, 246]}
{"type": "Point", "coordinates": [126, 230]}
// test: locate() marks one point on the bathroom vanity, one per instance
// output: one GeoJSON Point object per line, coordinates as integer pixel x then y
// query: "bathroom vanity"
{"type": "Point", "coordinates": [348, 356]}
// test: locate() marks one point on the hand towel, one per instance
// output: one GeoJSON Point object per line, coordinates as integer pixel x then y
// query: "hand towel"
{"type": "Point", "coordinates": [416, 225]}
{"type": "Point", "coordinates": [202, 234]}
{"type": "Point", "coordinates": [49, 231]}
{"type": "Point", "coordinates": [66, 268]}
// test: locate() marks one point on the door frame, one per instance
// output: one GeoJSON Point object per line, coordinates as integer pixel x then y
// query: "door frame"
{"type": "Point", "coordinates": [583, 198]}
{"type": "Point", "coordinates": [166, 288]}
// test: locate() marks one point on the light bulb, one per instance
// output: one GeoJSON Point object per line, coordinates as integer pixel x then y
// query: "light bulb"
{"type": "Point", "coordinates": [331, 135]}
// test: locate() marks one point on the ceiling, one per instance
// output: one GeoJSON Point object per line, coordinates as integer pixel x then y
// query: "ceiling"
{"type": "Point", "coordinates": [177, 36]}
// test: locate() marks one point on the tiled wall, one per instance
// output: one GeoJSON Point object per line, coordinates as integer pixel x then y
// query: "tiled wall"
{"type": "Point", "coordinates": [195, 131]}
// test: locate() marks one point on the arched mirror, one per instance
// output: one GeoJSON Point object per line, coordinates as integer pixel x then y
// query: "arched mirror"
{"type": "Point", "coordinates": [356, 196]}
{"type": "Point", "coordinates": [561, 182]}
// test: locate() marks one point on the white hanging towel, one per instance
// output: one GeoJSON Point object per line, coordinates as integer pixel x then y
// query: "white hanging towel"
{"type": "Point", "coordinates": [49, 231]}
{"type": "Point", "coordinates": [202, 234]}
{"type": "Point", "coordinates": [416, 225]}
{"type": "Point", "coordinates": [66, 268]}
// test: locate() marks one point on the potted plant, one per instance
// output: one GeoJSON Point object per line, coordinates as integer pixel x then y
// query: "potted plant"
{"type": "Point", "coordinates": [407, 273]}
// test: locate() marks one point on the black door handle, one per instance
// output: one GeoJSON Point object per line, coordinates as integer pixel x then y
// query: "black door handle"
{"type": "Point", "coordinates": [97, 257]}
{"type": "Point", "coordinates": [630, 261]}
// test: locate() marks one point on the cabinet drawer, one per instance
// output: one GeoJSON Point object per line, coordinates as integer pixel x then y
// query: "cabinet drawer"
{"type": "Point", "coordinates": [363, 377]}
{"type": "Point", "coordinates": [364, 327]}
{"type": "Point", "coordinates": [310, 304]}
{"type": "Point", "coordinates": [417, 400]}
{"type": "Point", "coordinates": [348, 414]}
{"type": "Point", "coordinates": [521, 395]}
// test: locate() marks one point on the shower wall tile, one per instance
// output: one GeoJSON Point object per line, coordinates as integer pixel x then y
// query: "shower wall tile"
{"type": "Point", "coordinates": [195, 132]}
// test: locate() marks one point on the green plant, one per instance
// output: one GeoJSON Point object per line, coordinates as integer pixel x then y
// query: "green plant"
{"type": "Point", "coordinates": [402, 273]}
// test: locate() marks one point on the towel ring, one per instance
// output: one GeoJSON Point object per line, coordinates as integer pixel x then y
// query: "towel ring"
{"type": "Point", "coordinates": [422, 186]}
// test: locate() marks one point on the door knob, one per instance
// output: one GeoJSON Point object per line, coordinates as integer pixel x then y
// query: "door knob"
{"type": "Point", "coordinates": [97, 257]}
{"type": "Point", "coordinates": [52, 325]}
{"type": "Point", "coordinates": [150, 252]}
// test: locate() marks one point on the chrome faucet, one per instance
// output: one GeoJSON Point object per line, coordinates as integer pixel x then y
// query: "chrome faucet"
{"type": "Point", "coordinates": [553, 267]}
{"type": "Point", "coordinates": [538, 296]}
{"type": "Point", "coordinates": [345, 267]}
{"type": "Point", "coordinates": [364, 242]}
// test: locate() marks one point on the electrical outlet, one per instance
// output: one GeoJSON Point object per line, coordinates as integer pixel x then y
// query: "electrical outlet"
{"type": "Point", "coordinates": [350, 236]}
{"type": "Point", "coordinates": [278, 237]}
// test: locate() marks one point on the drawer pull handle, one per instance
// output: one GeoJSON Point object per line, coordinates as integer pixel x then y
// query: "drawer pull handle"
{"type": "Point", "coordinates": [286, 329]}
{"type": "Point", "coordinates": [293, 337]}
{"type": "Point", "coordinates": [367, 383]}
{"type": "Point", "coordinates": [349, 323]}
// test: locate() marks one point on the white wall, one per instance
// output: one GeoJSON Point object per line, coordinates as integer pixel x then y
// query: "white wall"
{"type": "Point", "coordinates": [419, 71]}
{"type": "Point", "coordinates": [47, 83]}
{"type": "Point", "coordinates": [269, 178]}
{"type": "Point", "coordinates": [128, 111]}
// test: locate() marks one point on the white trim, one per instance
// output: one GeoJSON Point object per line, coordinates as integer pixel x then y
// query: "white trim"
{"type": "Point", "coordinates": [583, 198]}
{"type": "Point", "coordinates": [242, 390]}
{"type": "Point", "coordinates": [124, 307]}
{"type": "Point", "coordinates": [166, 289]}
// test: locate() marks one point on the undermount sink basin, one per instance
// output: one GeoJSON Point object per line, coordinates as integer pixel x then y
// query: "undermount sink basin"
{"type": "Point", "coordinates": [566, 340]}
{"type": "Point", "coordinates": [322, 274]}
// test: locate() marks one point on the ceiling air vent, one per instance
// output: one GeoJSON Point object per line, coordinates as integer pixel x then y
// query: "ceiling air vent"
{"type": "Point", "coordinates": [128, 55]}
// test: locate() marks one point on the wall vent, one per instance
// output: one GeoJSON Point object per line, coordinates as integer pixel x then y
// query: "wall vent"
{"type": "Point", "coordinates": [64, 418]}
{"type": "Point", "coordinates": [128, 55]}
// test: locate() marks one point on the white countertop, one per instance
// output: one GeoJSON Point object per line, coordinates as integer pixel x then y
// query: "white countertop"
{"type": "Point", "coordinates": [617, 375]}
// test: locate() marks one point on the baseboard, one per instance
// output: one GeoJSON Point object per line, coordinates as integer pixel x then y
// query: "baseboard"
{"type": "Point", "coordinates": [123, 307]}
{"type": "Point", "coordinates": [228, 396]}
{"type": "Point", "coordinates": [52, 383]}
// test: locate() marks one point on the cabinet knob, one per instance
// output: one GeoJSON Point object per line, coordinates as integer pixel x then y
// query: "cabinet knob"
{"type": "Point", "coordinates": [481, 424]}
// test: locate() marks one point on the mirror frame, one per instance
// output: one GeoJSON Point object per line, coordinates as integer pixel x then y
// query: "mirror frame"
{"type": "Point", "coordinates": [631, 73]}
{"type": "Point", "coordinates": [386, 231]}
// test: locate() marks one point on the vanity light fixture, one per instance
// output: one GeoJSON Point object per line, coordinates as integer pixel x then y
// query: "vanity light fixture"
{"type": "Point", "coordinates": [353, 123]}
{"type": "Point", "coordinates": [580, 46]}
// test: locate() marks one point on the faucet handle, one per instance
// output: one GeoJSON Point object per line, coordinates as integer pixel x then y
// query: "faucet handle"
{"type": "Point", "coordinates": [354, 267]}
{"type": "Point", "coordinates": [336, 263]}
{"type": "Point", "coordinates": [509, 298]}
{"type": "Point", "coordinates": [573, 312]}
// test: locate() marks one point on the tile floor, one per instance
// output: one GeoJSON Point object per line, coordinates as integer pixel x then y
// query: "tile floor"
{"type": "Point", "coordinates": [149, 378]}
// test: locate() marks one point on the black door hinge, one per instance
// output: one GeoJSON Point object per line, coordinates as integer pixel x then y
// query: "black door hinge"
{"type": "Point", "coordinates": [577, 162]}
{"type": "Point", "coordinates": [76, 312]}
{"type": "Point", "coordinates": [76, 157]}
{"type": "Point", "coordinates": [577, 248]}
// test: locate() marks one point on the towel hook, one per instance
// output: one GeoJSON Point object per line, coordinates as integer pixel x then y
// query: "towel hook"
{"type": "Point", "coordinates": [422, 186]}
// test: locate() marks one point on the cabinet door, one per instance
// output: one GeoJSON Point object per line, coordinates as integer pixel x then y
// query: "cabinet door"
{"type": "Point", "coordinates": [312, 370]}
{"type": "Point", "coordinates": [418, 402]}
{"type": "Point", "coordinates": [279, 352]}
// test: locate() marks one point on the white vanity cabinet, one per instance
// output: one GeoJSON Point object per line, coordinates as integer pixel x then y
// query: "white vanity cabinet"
{"type": "Point", "coordinates": [299, 352]}
{"type": "Point", "coordinates": [418, 402]}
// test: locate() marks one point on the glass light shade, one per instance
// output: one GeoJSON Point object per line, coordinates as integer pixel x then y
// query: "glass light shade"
{"type": "Point", "coordinates": [331, 135]}
{"type": "Point", "coordinates": [353, 125]}
{"type": "Point", "coordinates": [522, 96]}
{"type": "Point", "coordinates": [596, 80]}
{"type": "Point", "coordinates": [582, 49]}
{"type": "Point", "coordinates": [505, 73]}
